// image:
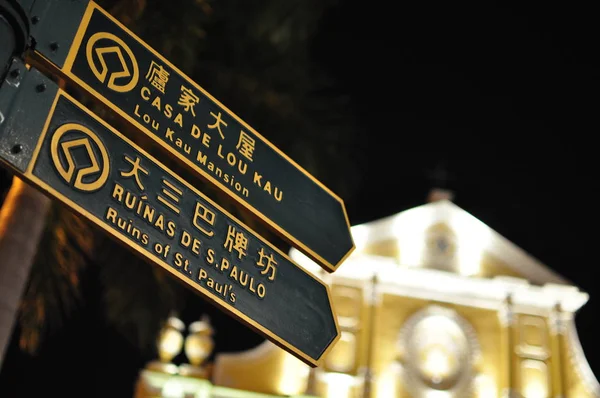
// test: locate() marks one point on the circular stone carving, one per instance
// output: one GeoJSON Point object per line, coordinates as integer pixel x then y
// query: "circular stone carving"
{"type": "Point", "coordinates": [438, 350]}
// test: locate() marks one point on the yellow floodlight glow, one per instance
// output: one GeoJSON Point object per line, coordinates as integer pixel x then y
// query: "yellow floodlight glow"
{"type": "Point", "coordinates": [438, 394]}
{"type": "Point", "coordinates": [409, 230]}
{"type": "Point", "coordinates": [294, 376]}
{"type": "Point", "coordinates": [473, 238]}
{"type": "Point", "coordinates": [536, 389]}
{"type": "Point", "coordinates": [339, 385]}
{"type": "Point", "coordinates": [173, 389]}
{"type": "Point", "coordinates": [360, 236]}
{"type": "Point", "coordinates": [437, 363]}
{"type": "Point", "coordinates": [486, 387]}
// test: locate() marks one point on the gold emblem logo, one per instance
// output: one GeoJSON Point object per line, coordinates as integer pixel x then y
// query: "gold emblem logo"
{"type": "Point", "coordinates": [62, 152]}
{"type": "Point", "coordinates": [98, 47]}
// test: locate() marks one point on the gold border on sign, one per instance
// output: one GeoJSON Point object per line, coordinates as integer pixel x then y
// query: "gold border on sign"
{"type": "Point", "coordinates": [28, 175]}
{"type": "Point", "coordinates": [67, 71]}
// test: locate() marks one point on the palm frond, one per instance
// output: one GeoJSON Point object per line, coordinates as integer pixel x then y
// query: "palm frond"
{"type": "Point", "coordinates": [137, 296]}
{"type": "Point", "coordinates": [53, 291]}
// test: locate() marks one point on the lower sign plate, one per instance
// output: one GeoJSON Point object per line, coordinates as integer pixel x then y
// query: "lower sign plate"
{"type": "Point", "coordinates": [69, 153]}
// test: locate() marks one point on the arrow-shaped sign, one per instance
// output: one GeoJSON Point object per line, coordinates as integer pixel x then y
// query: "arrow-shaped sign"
{"type": "Point", "coordinates": [57, 145]}
{"type": "Point", "coordinates": [84, 44]}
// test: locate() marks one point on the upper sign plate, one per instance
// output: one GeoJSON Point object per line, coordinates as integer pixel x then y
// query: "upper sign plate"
{"type": "Point", "coordinates": [110, 63]}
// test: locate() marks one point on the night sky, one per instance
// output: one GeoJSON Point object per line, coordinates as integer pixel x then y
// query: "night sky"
{"type": "Point", "coordinates": [496, 101]}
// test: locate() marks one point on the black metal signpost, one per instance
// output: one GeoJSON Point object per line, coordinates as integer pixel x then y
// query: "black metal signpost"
{"type": "Point", "coordinates": [78, 159]}
{"type": "Point", "coordinates": [85, 45]}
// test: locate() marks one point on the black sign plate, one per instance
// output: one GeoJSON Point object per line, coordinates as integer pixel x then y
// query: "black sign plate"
{"type": "Point", "coordinates": [144, 89]}
{"type": "Point", "coordinates": [93, 169]}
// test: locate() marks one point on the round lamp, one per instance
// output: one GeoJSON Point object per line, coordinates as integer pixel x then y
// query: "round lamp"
{"type": "Point", "coordinates": [199, 342]}
{"type": "Point", "coordinates": [170, 340]}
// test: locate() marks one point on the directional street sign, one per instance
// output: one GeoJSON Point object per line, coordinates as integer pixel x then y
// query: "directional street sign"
{"type": "Point", "coordinates": [88, 47]}
{"type": "Point", "coordinates": [78, 159]}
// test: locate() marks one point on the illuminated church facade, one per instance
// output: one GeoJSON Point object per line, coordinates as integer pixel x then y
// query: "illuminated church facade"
{"type": "Point", "coordinates": [432, 303]}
